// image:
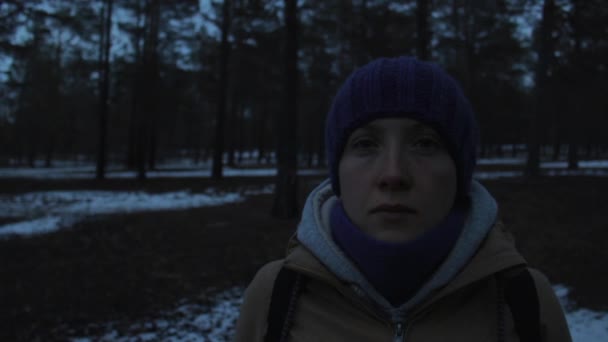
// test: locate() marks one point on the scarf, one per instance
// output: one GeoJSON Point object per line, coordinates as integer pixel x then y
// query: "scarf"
{"type": "Point", "coordinates": [396, 269]}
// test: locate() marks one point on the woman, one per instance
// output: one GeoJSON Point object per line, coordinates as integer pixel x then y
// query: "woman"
{"type": "Point", "coordinates": [400, 244]}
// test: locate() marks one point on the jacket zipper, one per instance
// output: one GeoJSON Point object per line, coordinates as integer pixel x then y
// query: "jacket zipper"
{"type": "Point", "coordinates": [398, 333]}
{"type": "Point", "coordinates": [400, 325]}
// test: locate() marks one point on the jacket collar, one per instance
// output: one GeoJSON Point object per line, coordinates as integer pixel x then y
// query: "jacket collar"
{"type": "Point", "coordinates": [479, 252]}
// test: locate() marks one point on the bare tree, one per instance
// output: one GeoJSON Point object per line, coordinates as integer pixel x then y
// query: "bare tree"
{"type": "Point", "coordinates": [574, 126]}
{"type": "Point", "coordinates": [546, 48]}
{"type": "Point", "coordinates": [105, 45]}
{"type": "Point", "coordinates": [149, 78]}
{"type": "Point", "coordinates": [423, 40]}
{"type": "Point", "coordinates": [218, 152]}
{"type": "Point", "coordinates": [136, 32]}
{"type": "Point", "coordinates": [285, 195]}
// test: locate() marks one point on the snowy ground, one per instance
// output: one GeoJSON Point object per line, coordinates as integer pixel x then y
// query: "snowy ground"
{"type": "Point", "coordinates": [585, 325]}
{"type": "Point", "coordinates": [88, 172]}
{"type": "Point", "coordinates": [48, 211]}
{"type": "Point", "coordinates": [187, 322]}
{"type": "Point", "coordinates": [181, 169]}
{"type": "Point", "coordinates": [196, 323]}
{"type": "Point", "coordinates": [43, 212]}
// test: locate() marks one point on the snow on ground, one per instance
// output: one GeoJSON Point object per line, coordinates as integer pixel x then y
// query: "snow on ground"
{"type": "Point", "coordinates": [48, 211]}
{"type": "Point", "coordinates": [497, 174]}
{"type": "Point", "coordinates": [501, 161]}
{"type": "Point", "coordinates": [585, 325]}
{"type": "Point", "coordinates": [198, 323]}
{"type": "Point", "coordinates": [546, 172]}
{"type": "Point", "coordinates": [583, 164]}
{"type": "Point", "coordinates": [560, 168]}
{"type": "Point", "coordinates": [187, 169]}
{"type": "Point", "coordinates": [41, 212]}
{"type": "Point", "coordinates": [88, 172]}
{"type": "Point", "coordinates": [187, 322]}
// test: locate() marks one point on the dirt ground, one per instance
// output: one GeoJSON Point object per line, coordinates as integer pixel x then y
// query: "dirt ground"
{"type": "Point", "coordinates": [123, 267]}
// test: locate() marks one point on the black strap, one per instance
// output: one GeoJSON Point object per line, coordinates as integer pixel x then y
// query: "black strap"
{"type": "Point", "coordinates": [522, 298]}
{"type": "Point", "coordinates": [282, 304]}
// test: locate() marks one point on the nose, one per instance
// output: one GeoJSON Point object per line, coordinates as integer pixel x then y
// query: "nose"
{"type": "Point", "coordinates": [394, 171]}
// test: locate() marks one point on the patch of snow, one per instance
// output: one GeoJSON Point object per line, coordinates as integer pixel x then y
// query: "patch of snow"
{"type": "Point", "coordinates": [497, 174]}
{"type": "Point", "coordinates": [268, 189]}
{"type": "Point", "coordinates": [501, 161]}
{"type": "Point", "coordinates": [585, 325]}
{"type": "Point", "coordinates": [76, 172]}
{"type": "Point", "coordinates": [183, 171]}
{"type": "Point", "coordinates": [37, 226]}
{"type": "Point", "coordinates": [185, 168]}
{"type": "Point", "coordinates": [546, 172]}
{"type": "Point", "coordinates": [49, 211]}
{"type": "Point", "coordinates": [594, 163]}
{"type": "Point", "coordinates": [583, 164]}
{"type": "Point", "coordinates": [187, 322]}
{"type": "Point", "coordinates": [579, 172]}
{"type": "Point", "coordinates": [198, 323]}
{"type": "Point", "coordinates": [588, 325]}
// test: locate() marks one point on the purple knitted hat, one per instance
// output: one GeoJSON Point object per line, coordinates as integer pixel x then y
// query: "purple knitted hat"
{"type": "Point", "coordinates": [408, 88]}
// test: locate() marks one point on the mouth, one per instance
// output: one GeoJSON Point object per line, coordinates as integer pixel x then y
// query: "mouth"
{"type": "Point", "coordinates": [393, 209]}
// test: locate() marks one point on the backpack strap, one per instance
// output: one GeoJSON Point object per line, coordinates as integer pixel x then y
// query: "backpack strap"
{"type": "Point", "coordinates": [285, 292]}
{"type": "Point", "coordinates": [519, 291]}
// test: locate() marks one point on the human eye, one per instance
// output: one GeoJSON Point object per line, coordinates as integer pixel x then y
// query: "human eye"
{"type": "Point", "coordinates": [427, 145]}
{"type": "Point", "coordinates": [363, 144]}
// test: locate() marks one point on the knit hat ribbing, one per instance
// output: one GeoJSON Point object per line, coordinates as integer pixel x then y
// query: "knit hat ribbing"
{"type": "Point", "coordinates": [404, 87]}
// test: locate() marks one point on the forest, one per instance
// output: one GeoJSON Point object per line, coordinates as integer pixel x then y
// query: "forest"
{"type": "Point", "coordinates": [143, 144]}
{"type": "Point", "coordinates": [134, 82]}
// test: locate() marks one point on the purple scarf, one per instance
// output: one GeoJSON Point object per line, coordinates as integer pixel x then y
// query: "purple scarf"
{"type": "Point", "coordinates": [396, 270]}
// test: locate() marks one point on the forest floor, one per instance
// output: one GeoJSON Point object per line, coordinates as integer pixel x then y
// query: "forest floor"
{"type": "Point", "coordinates": [128, 267]}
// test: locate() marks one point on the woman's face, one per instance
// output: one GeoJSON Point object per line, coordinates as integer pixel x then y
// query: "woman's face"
{"type": "Point", "coordinates": [397, 179]}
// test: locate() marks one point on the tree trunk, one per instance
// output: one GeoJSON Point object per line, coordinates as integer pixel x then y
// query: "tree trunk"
{"type": "Point", "coordinates": [154, 83]}
{"type": "Point", "coordinates": [556, 149]}
{"type": "Point", "coordinates": [259, 133]}
{"type": "Point", "coordinates": [578, 100]}
{"type": "Point", "coordinates": [152, 147]}
{"type": "Point", "coordinates": [231, 134]}
{"type": "Point", "coordinates": [132, 135]}
{"type": "Point", "coordinates": [218, 153]}
{"type": "Point", "coordinates": [423, 38]}
{"type": "Point", "coordinates": [132, 142]}
{"type": "Point", "coordinates": [240, 136]}
{"type": "Point", "coordinates": [285, 195]}
{"type": "Point", "coordinates": [483, 151]}
{"type": "Point", "coordinates": [31, 158]}
{"type": "Point", "coordinates": [104, 85]}
{"type": "Point", "coordinates": [310, 142]}
{"type": "Point", "coordinates": [48, 161]}
{"type": "Point", "coordinates": [150, 76]}
{"type": "Point", "coordinates": [321, 144]}
{"type": "Point", "coordinates": [545, 51]}
{"type": "Point", "coordinates": [498, 151]}
{"type": "Point", "coordinates": [573, 156]}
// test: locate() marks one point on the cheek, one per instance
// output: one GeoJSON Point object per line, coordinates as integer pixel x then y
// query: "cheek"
{"type": "Point", "coordinates": [443, 180]}
{"type": "Point", "coordinates": [346, 180]}
{"type": "Point", "coordinates": [349, 174]}
{"type": "Point", "coordinates": [352, 189]}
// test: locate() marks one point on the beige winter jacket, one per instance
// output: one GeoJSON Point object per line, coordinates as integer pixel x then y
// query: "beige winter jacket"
{"type": "Point", "coordinates": [463, 306]}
